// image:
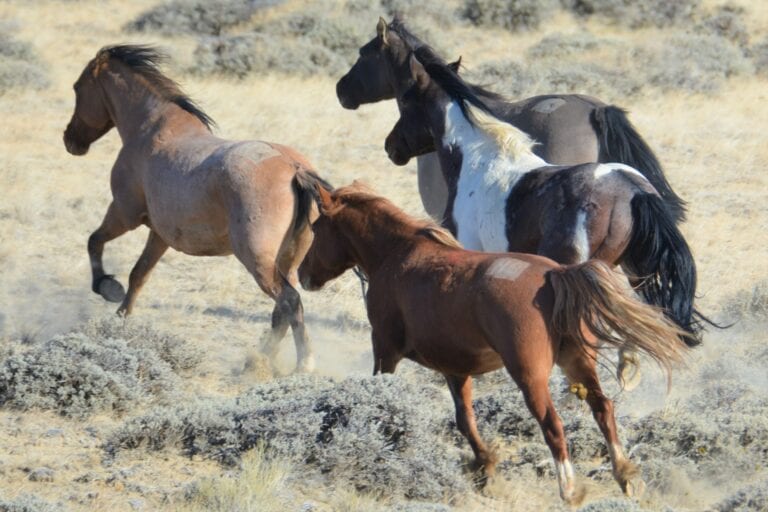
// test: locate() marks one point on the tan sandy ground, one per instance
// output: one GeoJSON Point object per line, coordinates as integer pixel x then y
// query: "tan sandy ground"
{"type": "Point", "coordinates": [713, 147]}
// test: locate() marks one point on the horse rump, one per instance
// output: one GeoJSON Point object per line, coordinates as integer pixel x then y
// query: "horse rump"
{"type": "Point", "coordinates": [620, 142]}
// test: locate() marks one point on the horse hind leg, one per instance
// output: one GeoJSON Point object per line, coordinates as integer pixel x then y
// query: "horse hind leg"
{"type": "Point", "coordinates": [579, 367]}
{"type": "Point", "coordinates": [535, 389]}
{"type": "Point", "coordinates": [111, 227]}
{"type": "Point", "coordinates": [461, 391]}
{"type": "Point", "coordinates": [153, 251]}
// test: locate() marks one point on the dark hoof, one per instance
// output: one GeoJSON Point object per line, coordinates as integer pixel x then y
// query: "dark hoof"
{"type": "Point", "coordinates": [110, 289]}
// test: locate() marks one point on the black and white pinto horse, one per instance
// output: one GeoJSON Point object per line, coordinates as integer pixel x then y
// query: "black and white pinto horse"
{"type": "Point", "coordinates": [503, 197]}
{"type": "Point", "coordinates": [570, 128]}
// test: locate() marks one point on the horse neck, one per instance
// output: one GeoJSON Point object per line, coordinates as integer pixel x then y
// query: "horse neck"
{"type": "Point", "coordinates": [375, 236]}
{"type": "Point", "coordinates": [478, 149]}
{"type": "Point", "coordinates": [138, 111]}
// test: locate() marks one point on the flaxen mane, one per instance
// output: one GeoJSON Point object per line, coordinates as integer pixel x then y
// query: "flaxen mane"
{"type": "Point", "coordinates": [145, 60]}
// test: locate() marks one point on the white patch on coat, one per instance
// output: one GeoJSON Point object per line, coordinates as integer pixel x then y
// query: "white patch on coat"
{"type": "Point", "coordinates": [485, 181]}
{"type": "Point", "coordinates": [565, 478]}
{"type": "Point", "coordinates": [605, 169]}
{"type": "Point", "coordinates": [507, 268]}
{"type": "Point", "coordinates": [548, 106]}
{"type": "Point", "coordinates": [581, 236]}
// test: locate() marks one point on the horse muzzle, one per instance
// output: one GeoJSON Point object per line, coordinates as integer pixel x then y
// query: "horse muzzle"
{"type": "Point", "coordinates": [396, 156]}
{"type": "Point", "coordinates": [344, 96]}
{"type": "Point", "coordinates": [73, 147]}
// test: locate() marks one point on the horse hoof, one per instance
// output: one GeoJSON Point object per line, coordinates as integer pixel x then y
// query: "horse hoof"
{"type": "Point", "coordinates": [306, 366]}
{"type": "Point", "coordinates": [576, 497]}
{"type": "Point", "coordinates": [633, 488]}
{"type": "Point", "coordinates": [110, 289]}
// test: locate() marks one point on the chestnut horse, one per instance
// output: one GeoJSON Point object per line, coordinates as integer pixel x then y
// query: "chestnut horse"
{"type": "Point", "coordinates": [197, 193]}
{"type": "Point", "coordinates": [463, 313]}
{"type": "Point", "coordinates": [570, 128]}
{"type": "Point", "coordinates": [504, 197]}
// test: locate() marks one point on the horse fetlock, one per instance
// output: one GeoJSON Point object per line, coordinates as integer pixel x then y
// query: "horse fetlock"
{"type": "Point", "coordinates": [109, 288]}
{"type": "Point", "coordinates": [306, 364]}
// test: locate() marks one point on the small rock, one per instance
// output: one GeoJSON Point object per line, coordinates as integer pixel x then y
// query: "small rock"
{"type": "Point", "coordinates": [136, 504]}
{"type": "Point", "coordinates": [41, 475]}
{"type": "Point", "coordinates": [54, 432]}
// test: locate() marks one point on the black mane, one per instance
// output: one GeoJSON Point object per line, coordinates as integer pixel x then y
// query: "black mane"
{"type": "Point", "coordinates": [145, 60]}
{"type": "Point", "coordinates": [456, 87]}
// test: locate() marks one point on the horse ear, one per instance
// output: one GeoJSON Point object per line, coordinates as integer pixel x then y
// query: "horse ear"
{"type": "Point", "coordinates": [419, 74]}
{"type": "Point", "coordinates": [381, 31]}
{"type": "Point", "coordinates": [323, 198]}
{"type": "Point", "coordinates": [456, 65]}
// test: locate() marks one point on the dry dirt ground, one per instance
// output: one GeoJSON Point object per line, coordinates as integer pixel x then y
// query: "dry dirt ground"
{"type": "Point", "coordinates": [713, 148]}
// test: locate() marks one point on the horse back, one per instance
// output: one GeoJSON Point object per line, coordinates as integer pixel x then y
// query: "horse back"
{"type": "Point", "coordinates": [561, 124]}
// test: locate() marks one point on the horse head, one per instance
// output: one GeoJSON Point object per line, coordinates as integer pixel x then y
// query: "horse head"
{"type": "Point", "coordinates": [412, 135]}
{"type": "Point", "coordinates": [329, 256]}
{"type": "Point", "coordinates": [91, 118]}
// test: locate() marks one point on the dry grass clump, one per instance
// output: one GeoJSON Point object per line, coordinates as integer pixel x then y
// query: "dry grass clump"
{"type": "Point", "coordinates": [19, 65]}
{"type": "Point", "coordinates": [372, 433]}
{"type": "Point", "coordinates": [514, 15]}
{"type": "Point", "coordinates": [748, 304]}
{"type": "Point", "coordinates": [727, 22]}
{"type": "Point", "coordinates": [637, 13]}
{"type": "Point", "coordinates": [751, 498]}
{"type": "Point", "coordinates": [93, 369]}
{"type": "Point", "coordinates": [760, 57]}
{"type": "Point", "coordinates": [612, 68]}
{"type": "Point", "coordinates": [28, 503]}
{"type": "Point", "coordinates": [323, 39]}
{"type": "Point", "coordinates": [197, 16]}
{"type": "Point", "coordinates": [258, 486]}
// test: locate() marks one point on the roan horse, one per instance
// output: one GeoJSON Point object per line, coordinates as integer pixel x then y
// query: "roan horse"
{"type": "Point", "coordinates": [197, 193]}
{"type": "Point", "coordinates": [463, 313]}
{"type": "Point", "coordinates": [504, 197]}
{"type": "Point", "coordinates": [570, 128]}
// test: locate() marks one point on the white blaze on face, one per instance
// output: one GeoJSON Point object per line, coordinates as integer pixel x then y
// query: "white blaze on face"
{"type": "Point", "coordinates": [507, 268]}
{"type": "Point", "coordinates": [485, 181]}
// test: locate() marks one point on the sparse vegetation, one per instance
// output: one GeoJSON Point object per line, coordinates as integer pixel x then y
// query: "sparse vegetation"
{"type": "Point", "coordinates": [359, 431]}
{"type": "Point", "coordinates": [89, 371]}
{"type": "Point", "coordinates": [637, 13]}
{"type": "Point", "coordinates": [19, 65]}
{"type": "Point", "coordinates": [197, 16]}
{"type": "Point", "coordinates": [515, 15]}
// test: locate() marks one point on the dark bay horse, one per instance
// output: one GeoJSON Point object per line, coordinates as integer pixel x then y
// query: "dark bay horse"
{"type": "Point", "coordinates": [504, 197]}
{"type": "Point", "coordinates": [463, 313]}
{"type": "Point", "coordinates": [197, 193]}
{"type": "Point", "coordinates": [570, 128]}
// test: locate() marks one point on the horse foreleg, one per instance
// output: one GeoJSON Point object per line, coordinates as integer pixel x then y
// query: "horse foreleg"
{"type": "Point", "coordinates": [581, 369]}
{"type": "Point", "coordinates": [101, 283]}
{"type": "Point", "coordinates": [153, 251]}
{"type": "Point", "coordinates": [461, 391]}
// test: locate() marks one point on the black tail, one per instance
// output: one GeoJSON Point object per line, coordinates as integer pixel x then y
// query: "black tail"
{"type": "Point", "coordinates": [659, 256]}
{"type": "Point", "coordinates": [620, 142]}
{"type": "Point", "coordinates": [304, 183]}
